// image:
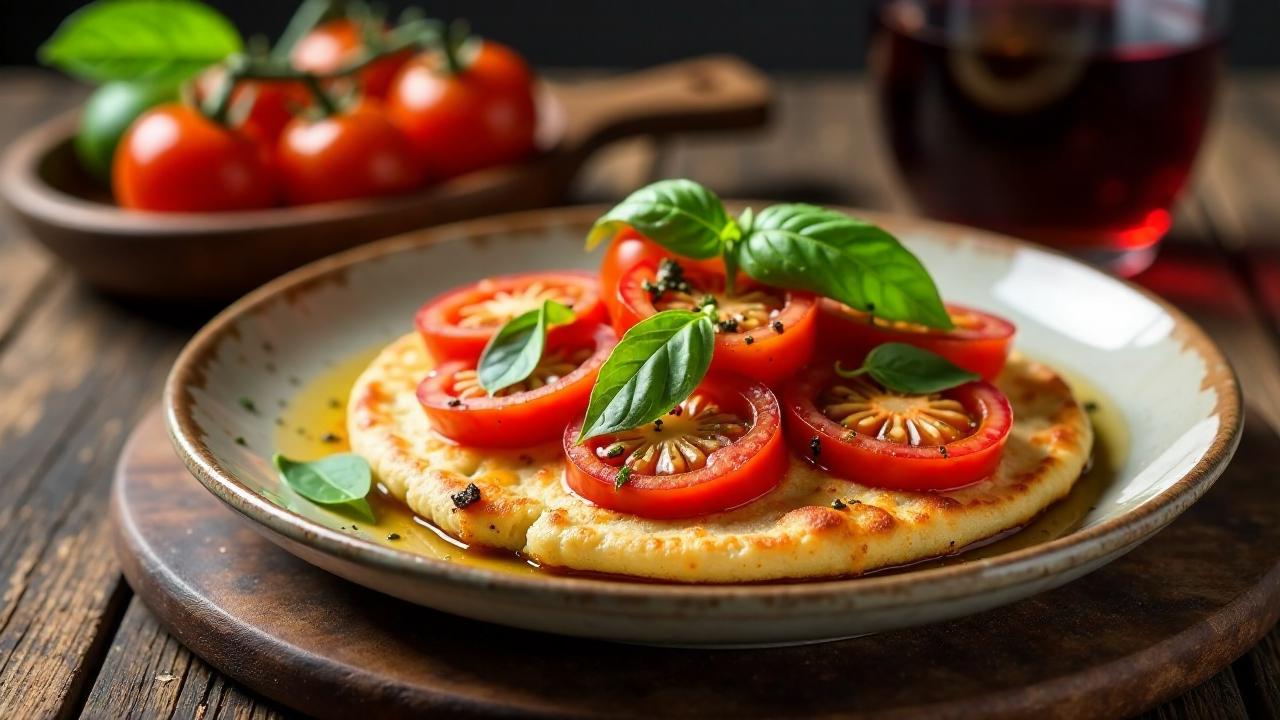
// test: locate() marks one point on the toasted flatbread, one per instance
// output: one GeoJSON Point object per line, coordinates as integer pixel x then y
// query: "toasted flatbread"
{"type": "Point", "coordinates": [792, 532]}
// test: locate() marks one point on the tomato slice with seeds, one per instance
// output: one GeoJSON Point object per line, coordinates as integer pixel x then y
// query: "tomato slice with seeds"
{"type": "Point", "coordinates": [858, 430]}
{"type": "Point", "coordinates": [630, 249]}
{"type": "Point", "coordinates": [717, 450]}
{"type": "Point", "coordinates": [458, 324]}
{"type": "Point", "coordinates": [979, 343]}
{"type": "Point", "coordinates": [764, 333]}
{"type": "Point", "coordinates": [531, 412]}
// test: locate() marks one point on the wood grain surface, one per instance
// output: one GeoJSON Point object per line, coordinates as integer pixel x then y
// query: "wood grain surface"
{"type": "Point", "coordinates": [1149, 626]}
{"type": "Point", "coordinates": [76, 371]}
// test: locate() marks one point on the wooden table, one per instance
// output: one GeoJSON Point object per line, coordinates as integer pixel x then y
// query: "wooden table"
{"type": "Point", "coordinates": [77, 371]}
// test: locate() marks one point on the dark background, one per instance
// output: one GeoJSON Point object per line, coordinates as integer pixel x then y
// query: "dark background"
{"type": "Point", "coordinates": [775, 34]}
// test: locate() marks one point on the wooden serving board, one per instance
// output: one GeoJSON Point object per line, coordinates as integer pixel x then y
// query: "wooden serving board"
{"type": "Point", "coordinates": [1146, 628]}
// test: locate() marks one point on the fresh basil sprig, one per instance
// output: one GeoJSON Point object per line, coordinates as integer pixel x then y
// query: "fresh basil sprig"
{"type": "Point", "coordinates": [794, 246]}
{"type": "Point", "coordinates": [514, 351]}
{"type": "Point", "coordinates": [909, 369]}
{"type": "Point", "coordinates": [689, 218]}
{"type": "Point", "coordinates": [162, 41]}
{"type": "Point", "coordinates": [653, 368]}
{"type": "Point", "coordinates": [803, 247]}
{"type": "Point", "coordinates": [341, 479]}
{"type": "Point", "coordinates": [331, 480]}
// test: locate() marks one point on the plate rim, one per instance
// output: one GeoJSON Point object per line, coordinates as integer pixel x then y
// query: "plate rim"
{"type": "Point", "coordinates": [910, 588]}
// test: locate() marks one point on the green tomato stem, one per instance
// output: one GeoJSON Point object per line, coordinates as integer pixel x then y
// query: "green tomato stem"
{"type": "Point", "coordinates": [328, 107]}
{"type": "Point", "coordinates": [455, 33]}
{"type": "Point", "coordinates": [842, 372]}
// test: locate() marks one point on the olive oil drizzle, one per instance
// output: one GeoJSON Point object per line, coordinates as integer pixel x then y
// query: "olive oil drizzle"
{"type": "Point", "coordinates": [313, 424]}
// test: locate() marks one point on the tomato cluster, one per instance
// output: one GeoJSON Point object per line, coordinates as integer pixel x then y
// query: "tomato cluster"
{"type": "Point", "coordinates": [772, 392]}
{"type": "Point", "coordinates": [413, 120]}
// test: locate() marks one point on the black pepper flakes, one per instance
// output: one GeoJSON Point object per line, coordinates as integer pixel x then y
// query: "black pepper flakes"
{"type": "Point", "coordinates": [454, 402]}
{"type": "Point", "coordinates": [815, 446]}
{"type": "Point", "coordinates": [466, 496]}
{"type": "Point", "coordinates": [727, 326]}
{"type": "Point", "coordinates": [837, 504]}
{"type": "Point", "coordinates": [335, 403]}
{"type": "Point", "coordinates": [942, 449]}
{"type": "Point", "coordinates": [393, 536]}
{"type": "Point", "coordinates": [330, 437]}
{"type": "Point", "coordinates": [777, 326]}
{"type": "Point", "coordinates": [670, 277]}
{"type": "Point", "coordinates": [1090, 406]}
{"type": "Point", "coordinates": [241, 441]}
{"type": "Point", "coordinates": [248, 404]}
{"type": "Point", "coordinates": [748, 339]}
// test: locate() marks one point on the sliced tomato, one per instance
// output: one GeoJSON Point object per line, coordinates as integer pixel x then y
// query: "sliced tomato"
{"type": "Point", "coordinates": [531, 412]}
{"type": "Point", "coordinates": [857, 430]}
{"type": "Point", "coordinates": [458, 324]}
{"type": "Point", "coordinates": [627, 250]}
{"type": "Point", "coordinates": [718, 450]}
{"type": "Point", "coordinates": [630, 249]}
{"type": "Point", "coordinates": [764, 333]}
{"type": "Point", "coordinates": [979, 343]}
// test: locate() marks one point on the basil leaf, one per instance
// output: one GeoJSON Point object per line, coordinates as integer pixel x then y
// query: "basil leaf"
{"type": "Point", "coordinates": [680, 215]}
{"type": "Point", "coordinates": [332, 480]}
{"type": "Point", "coordinates": [803, 247]}
{"type": "Point", "coordinates": [655, 366]}
{"type": "Point", "coordinates": [909, 369]}
{"type": "Point", "coordinates": [155, 40]}
{"type": "Point", "coordinates": [514, 351]}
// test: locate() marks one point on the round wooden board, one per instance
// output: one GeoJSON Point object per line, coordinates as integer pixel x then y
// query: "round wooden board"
{"type": "Point", "coordinates": [1145, 628]}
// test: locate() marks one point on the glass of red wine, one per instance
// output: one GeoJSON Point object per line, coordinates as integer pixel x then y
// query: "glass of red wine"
{"type": "Point", "coordinates": [1072, 123]}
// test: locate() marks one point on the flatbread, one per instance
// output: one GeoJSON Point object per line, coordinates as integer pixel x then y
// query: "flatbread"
{"type": "Point", "coordinates": [792, 532]}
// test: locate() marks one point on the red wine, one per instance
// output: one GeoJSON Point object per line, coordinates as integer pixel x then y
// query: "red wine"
{"type": "Point", "coordinates": [1058, 120]}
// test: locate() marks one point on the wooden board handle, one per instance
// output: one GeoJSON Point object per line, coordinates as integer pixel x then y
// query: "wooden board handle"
{"type": "Point", "coordinates": [713, 92]}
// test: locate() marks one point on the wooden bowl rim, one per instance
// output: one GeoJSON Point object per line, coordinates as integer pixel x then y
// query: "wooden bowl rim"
{"type": "Point", "coordinates": [28, 193]}
{"type": "Point", "coordinates": [923, 586]}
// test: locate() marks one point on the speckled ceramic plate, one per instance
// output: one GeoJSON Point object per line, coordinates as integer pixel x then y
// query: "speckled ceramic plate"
{"type": "Point", "coordinates": [1173, 400]}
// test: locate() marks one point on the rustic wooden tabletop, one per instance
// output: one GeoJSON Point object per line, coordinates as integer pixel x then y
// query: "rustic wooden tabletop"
{"type": "Point", "coordinates": [78, 370]}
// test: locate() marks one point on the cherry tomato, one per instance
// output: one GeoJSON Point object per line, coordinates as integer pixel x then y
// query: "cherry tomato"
{"type": "Point", "coordinates": [531, 412]}
{"type": "Point", "coordinates": [857, 430]}
{"type": "Point", "coordinates": [174, 159]}
{"type": "Point", "coordinates": [336, 42]}
{"type": "Point", "coordinates": [458, 324]}
{"type": "Point", "coordinates": [271, 104]}
{"type": "Point", "coordinates": [979, 343]}
{"type": "Point", "coordinates": [480, 117]}
{"type": "Point", "coordinates": [353, 154]}
{"type": "Point", "coordinates": [764, 333]}
{"type": "Point", "coordinates": [720, 449]}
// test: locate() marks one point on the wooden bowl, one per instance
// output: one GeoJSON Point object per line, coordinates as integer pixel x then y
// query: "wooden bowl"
{"type": "Point", "coordinates": [198, 257]}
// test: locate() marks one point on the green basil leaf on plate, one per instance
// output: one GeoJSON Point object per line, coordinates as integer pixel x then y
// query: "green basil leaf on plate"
{"type": "Point", "coordinates": [653, 368]}
{"type": "Point", "coordinates": [514, 351]}
{"type": "Point", "coordinates": [153, 40]}
{"type": "Point", "coordinates": [804, 247]}
{"type": "Point", "coordinates": [909, 369]}
{"type": "Point", "coordinates": [680, 215]}
{"type": "Point", "coordinates": [331, 480]}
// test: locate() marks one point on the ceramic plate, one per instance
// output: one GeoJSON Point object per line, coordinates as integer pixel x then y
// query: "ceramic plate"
{"type": "Point", "coordinates": [1173, 401]}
